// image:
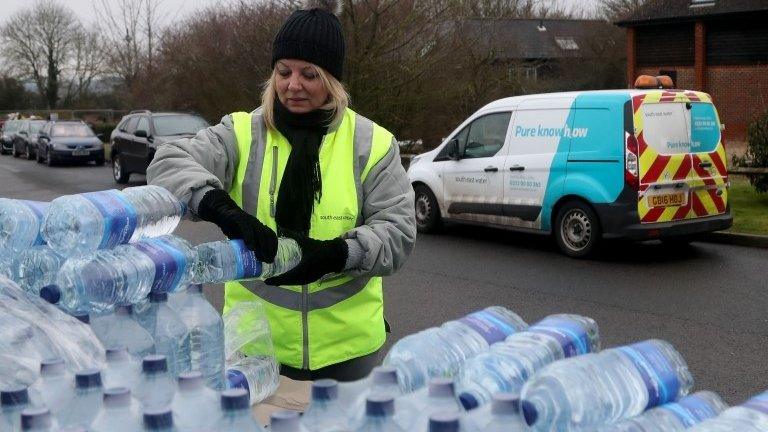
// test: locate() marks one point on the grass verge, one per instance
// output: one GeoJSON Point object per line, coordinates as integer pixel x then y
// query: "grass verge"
{"type": "Point", "coordinates": [749, 208]}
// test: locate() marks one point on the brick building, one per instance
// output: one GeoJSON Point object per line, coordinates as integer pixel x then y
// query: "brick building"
{"type": "Point", "coordinates": [716, 46]}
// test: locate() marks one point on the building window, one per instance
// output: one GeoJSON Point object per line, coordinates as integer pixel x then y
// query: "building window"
{"type": "Point", "coordinates": [702, 3]}
{"type": "Point", "coordinates": [566, 43]}
{"type": "Point", "coordinates": [515, 73]}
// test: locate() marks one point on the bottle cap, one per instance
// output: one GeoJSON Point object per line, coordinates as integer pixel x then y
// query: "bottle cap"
{"type": "Point", "coordinates": [154, 363]}
{"type": "Point", "coordinates": [50, 293]}
{"type": "Point", "coordinates": [124, 309]}
{"type": "Point", "coordinates": [468, 401]}
{"type": "Point", "coordinates": [82, 316]}
{"type": "Point", "coordinates": [117, 397]}
{"type": "Point", "coordinates": [379, 406]}
{"type": "Point", "coordinates": [190, 381]}
{"type": "Point", "coordinates": [284, 421]}
{"type": "Point", "coordinates": [35, 418]}
{"type": "Point", "coordinates": [52, 366]}
{"type": "Point", "coordinates": [88, 378]}
{"type": "Point", "coordinates": [158, 296]}
{"type": "Point", "coordinates": [505, 404]}
{"type": "Point", "coordinates": [529, 412]}
{"type": "Point", "coordinates": [158, 418]}
{"type": "Point", "coordinates": [384, 375]}
{"type": "Point", "coordinates": [325, 389]}
{"type": "Point", "coordinates": [444, 422]}
{"type": "Point", "coordinates": [195, 289]}
{"type": "Point", "coordinates": [441, 388]}
{"type": "Point", "coordinates": [14, 396]}
{"type": "Point", "coordinates": [117, 354]}
{"type": "Point", "coordinates": [235, 399]}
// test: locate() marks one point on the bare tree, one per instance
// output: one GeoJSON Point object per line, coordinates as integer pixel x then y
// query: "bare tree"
{"type": "Point", "coordinates": [617, 9]}
{"type": "Point", "coordinates": [85, 64]}
{"type": "Point", "coordinates": [37, 42]}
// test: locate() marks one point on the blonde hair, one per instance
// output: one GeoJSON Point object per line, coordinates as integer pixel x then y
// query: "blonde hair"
{"type": "Point", "coordinates": [338, 98]}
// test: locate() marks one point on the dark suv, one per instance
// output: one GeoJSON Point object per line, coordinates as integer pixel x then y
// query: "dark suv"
{"type": "Point", "coordinates": [10, 128]}
{"type": "Point", "coordinates": [138, 135]}
{"type": "Point", "coordinates": [25, 141]}
{"type": "Point", "coordinates": [69, 141]}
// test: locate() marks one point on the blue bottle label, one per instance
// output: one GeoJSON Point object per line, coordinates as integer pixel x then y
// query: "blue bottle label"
{"type": "Point", "coordinates": [658, 375]}
{"type": "Point", "coordinates": [247, 264]}
{"type": "Point", "coordinates": [571, 335]}
{"type": "Point", "coordinates": [236, 379]}
{"type": "Point", "coordinates": [119, 217]}
{"type": "Point", "coordinates": [169, 262]}
{"type": "Point", "coordinates": [39, 208]}
{"type": "Point", "coordinates": [758, 403]}
{"type": "Point", "coordinates": [489, 325]}
{"type": "Point", "coordinates": [691, 410]}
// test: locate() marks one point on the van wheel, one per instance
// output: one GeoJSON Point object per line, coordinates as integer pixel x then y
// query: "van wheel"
{"type": "Point", "coordinates": [577, 229]}
{"type": "Point", "coordinates": [427, 210]}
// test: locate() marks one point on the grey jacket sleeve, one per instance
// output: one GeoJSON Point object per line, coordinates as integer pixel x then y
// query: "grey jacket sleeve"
{"type": "Point", "coordinates": [190, 167]}
{"type": "Point", "coordinates": [382, 244]}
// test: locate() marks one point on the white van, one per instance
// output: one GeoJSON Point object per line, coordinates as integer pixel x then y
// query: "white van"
{"type": "Point", "coordinates": [637, 164]}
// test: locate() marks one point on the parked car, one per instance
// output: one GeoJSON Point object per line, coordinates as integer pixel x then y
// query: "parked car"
{"type": "Point", "coordinates": [69, 141]}
{"type": "Point", "coordinates": [25, 141]}
{"type": "Point", "coordinates": [9, 133]}
{"type": "Point", "coordinates": [635, 164]}
{"type": "Point", "coordinates": [138, 135]}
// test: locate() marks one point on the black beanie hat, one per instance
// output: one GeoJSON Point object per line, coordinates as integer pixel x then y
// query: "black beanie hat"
{"type": "Point", "coordinates": [313, 35]}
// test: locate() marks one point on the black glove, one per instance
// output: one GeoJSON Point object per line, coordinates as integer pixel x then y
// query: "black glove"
{"type": "Point", "coordinates": [318, 258]}
{"type": "Point", "coordinates": [217, 207]}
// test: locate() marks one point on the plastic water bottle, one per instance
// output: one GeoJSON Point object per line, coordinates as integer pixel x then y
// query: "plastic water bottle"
{"type": "Point", "coordinates": [258, 375]}
{"type": "Point", "coordinates": [20, 225]}
{"type": "Point", "coordinates": [122, 370]}
{"type": "Point", "coordinates": [501, 415]}
{"type": "Point", "coordinates": [444, 422]}
{"type": "Point", "coordinates": [159, 419]}
{"type": "Point", "coordinates": [587, 391]}
{"type": "Point", "coordinates": [383, 381]}
{"type": "Point", "coordinates": [99, 280]}
{"type": "Point", "coordinates": [119, 412]}
{"type": "Point", "coordinates": [223, 261]}
{"type": "Point", "coordinates": [120, 329]}
{"type": "Point", "coordinates": [155, 387]}
{"type": "Point", "coordinates": [440, 351]}
{"type": "Point", "coordinates": [379, 415]}
{"type": "Point", "coordinates": [195, 406]}
{"type": "Point", "coordinates": [673, 416]}
{"type": "Point", "coordinates": [325, 413]}
{"type": "Point", "coordinates": [415, 409]}
{"type": "Point", "coordinates": [751, 416]}
{"type": "Point", "coordinates": [86, 403]}
{"type": "Point", "coordinates": [206, 334]}
{"type": "Point", "coordinates": [168, 331]}
{"type": "Point", "coordinates": [12, 402]}
{"type": "Point", "coordinates": [506, 367]}
{"type": "Point", "coordinates": [35, 267]}
{"type": "Point", "coordinates": [37, 419]}
{"type": "Point", "coordinates": [54, 387]}
{"type": "Point", "coordinates": [289, 421]}
{"type": "Point", "coordinates": [236, 413]}
{"type": "Point", "coordinates": [77, 224]}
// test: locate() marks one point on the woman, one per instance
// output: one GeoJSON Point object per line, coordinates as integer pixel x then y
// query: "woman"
{"type": "Point", "coordinates": [305, 166]}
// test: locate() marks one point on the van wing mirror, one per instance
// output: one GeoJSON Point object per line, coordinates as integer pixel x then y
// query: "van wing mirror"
{"type": "Point", "coordinates": [453, 149]}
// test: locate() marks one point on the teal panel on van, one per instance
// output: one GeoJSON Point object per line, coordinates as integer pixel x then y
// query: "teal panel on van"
{"type": "Point", "coordinates": [705, 128]}
{"type": "Point", "coordinates": [595, 165]}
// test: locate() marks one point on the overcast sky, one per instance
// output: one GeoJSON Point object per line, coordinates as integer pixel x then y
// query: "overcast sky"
{"type": "Point", "coordinates": [174, 9]}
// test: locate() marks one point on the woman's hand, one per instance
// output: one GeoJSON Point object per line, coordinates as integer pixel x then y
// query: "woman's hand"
{"type": "Point", "coordinates": [217, 207]}
{"type": "Point", "coordinates": [318, 258]}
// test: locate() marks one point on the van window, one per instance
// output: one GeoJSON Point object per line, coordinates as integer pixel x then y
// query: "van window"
{"type": "Point", "coordinates": [486, 135]}
{"type": "Point", "coordinates": [679, 128]}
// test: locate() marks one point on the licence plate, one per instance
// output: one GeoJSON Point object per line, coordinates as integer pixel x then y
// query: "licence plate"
{"type": "Point", "coordinates": [81, 152]}
{"type": "Point", "coordinates": [676, 199]}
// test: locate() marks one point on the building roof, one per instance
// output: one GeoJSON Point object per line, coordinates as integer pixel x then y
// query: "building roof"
{"type": "Point", "coordinates": [658, 11]}
{"type": "Point", "coordinates": [532, 39]}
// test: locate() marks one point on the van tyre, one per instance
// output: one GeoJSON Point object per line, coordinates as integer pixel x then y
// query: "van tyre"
{"type": "Point", "coordinates": [118, 170]}
{"type": "Point", "coordinates": [577, 229]}
{"type": "Point", "coordinates": [427, 210]}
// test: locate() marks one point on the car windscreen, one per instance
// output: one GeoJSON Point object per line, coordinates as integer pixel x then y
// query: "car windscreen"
{"type": "Point", "coordinates": [34, 127]}
{"type": "Point", "coordinates": [178, 124]}
{"type": "Point", "coordinates": [71, 131]}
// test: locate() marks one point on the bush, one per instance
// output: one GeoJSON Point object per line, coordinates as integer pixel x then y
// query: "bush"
{"type": "Point", "coordinates": [757, 152]}
{"type": "Point", "coordinates": [103, 128]}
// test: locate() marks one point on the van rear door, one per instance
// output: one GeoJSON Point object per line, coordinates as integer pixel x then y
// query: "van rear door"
{"type": "Point", "coordinates": [682, 160]}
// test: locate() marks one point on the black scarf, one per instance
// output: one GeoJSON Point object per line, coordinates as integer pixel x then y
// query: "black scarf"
{"type": "Point", "coordinates": [301, 184]}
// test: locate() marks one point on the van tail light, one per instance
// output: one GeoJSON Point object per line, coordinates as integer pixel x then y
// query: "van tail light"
{"type": "Point", "coordinates": [631, 162]}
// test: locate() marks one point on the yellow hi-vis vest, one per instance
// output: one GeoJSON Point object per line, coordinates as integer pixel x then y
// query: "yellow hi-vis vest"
{"type": "Point", "coordinates": [338, 317]}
